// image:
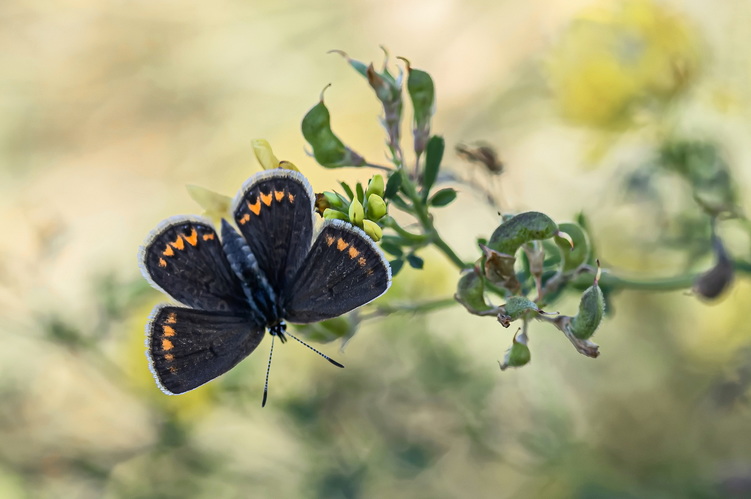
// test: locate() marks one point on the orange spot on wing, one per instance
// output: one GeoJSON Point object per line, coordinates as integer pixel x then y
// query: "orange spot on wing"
{"type": "Point", "coordinates": [353, 252]}
{"type": "Point", "coordinates": [208, 237]}
{"type": "Point", "coordinates": [341, 244]}
{"type": "Point", "coordinates": [167, 344]}
{"type": "Point", "coordinates": [291, 197]}
{"type": "Point", "coordinates": [330, 240]}
{"type": "Point", "coordinates": [168, 251]}
{"type": "Point", "coordinates": [162, 262]}
{"type": "Point", "coordinates": [244, 219]}
{"type": "Point", "coordinates": [370, 272]}
{"type": "Point", "coordinates": [255, 207]}
{"type": "Point", "coordinates": [266, 198]}
{"type": "Point", "coordinates": [172, 369]}
{"type": "Point", "coordinates": [192, 238]}
{"type": "Point", "coordinates": [169, 357]}
{"type": "Point", "coordinates": [179, 243]}
{"type": "Point", "coordinates": [171, 318]}
{"type": "Point", "coordinates": [168, 331]}
{"type": "Point", "coordinates": [279, 195]}
{"type": "Point", "coordinates": [362, 261]}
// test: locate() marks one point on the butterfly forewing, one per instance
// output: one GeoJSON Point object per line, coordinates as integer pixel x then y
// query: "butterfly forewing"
{"type": "Point", "coordinates": [187, 348]}
{"type": "Point", "coordinates": [184, 258]}
{"type": "Point", "coordinates": [274, 212]}
{"type": "Point", "coordinates": [343, 270]}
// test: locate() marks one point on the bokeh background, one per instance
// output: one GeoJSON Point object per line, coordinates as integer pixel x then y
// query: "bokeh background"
{"type": "Point", "coordinates": [110, 108]}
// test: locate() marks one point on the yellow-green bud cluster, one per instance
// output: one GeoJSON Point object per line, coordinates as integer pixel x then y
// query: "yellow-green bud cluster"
{"type": "Point", "coordinates": [363, 210]}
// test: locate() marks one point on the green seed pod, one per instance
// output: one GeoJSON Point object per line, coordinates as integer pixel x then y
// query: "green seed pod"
{"type": "Point", "coordinates": [356, 212]}
{"type": "Point", "coordinates": [375, 186]}
{"type": "Point", "coordinates": [516, 307]}
{"type": "Point", "coordinates": [328, 150]}
{"type": "Point", "coordinates": [591, 311]}
{"type": "Point", "coordinates": [470, 292]}
{"type": "Point", "coordinates": [572, 258]}
{"type": "Point", "coordinates": [520, 229]}
{"type": "Point", "coordinates": [372, 229]}
{"type": "Point", "coordinates": [518, 355]}
{"type": "Point", "coordinates": [422, 93]}
{"type": "Point", "coordinates": [376, 207]}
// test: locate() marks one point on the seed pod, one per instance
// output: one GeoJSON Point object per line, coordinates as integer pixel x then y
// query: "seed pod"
{"type": "Point", "coordinates": [515, 308]}
{"type": "Point", "coordinates": [572, 258]}
{"type": "Point", "coordinates": [372, 229]}
{"type": "Point", "coordinates": [356, 212]}
{"type": "Point", "coordinates": [328, 150]}
{"type": "Point", "coordinates": [591, 311]}
{"type": "Point", "coordinates": [470, 292]}
{"type": "Point", "coordinates": [422, 94]}
{"type": "Point", "coordinates": [499, 269]}
{"type": "Point", "coordinates": [518, 355]}
{"type": "Point", "coordinates": [711, 284]}
{"type": "Point", "coordinates": [376, 207]}
{"type": "Point", "coordinates": [520, 229]}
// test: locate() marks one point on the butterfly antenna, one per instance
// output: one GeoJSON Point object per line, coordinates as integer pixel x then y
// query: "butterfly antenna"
{"type": "Point", "coordinates": [316, 351]}
{"type": "Point", "coordinates": [268, 370]}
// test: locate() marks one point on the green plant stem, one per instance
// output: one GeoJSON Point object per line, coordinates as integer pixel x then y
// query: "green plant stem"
{"type": "Point", "coordinates": [422, 307]}
{"type": "Point", "coordinates": [426, 221]}
{"type": "Point", "coordinates": [378, 167]}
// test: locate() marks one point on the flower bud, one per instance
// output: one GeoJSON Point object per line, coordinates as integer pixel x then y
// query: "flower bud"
{"type": "Point", "coordinates": [331, 214]}
{"type": "Point", "coordinates": [372, 229]}
{"type": "Point", "coordinates": [264, 154]}
{"type": "Point", "coordinates": [375, 186]}
{"type": "Point", "coordinates": [356, 212]}
{"type": "Point", "coordinates": [376, 207]}
{"type": "Point", "coordinates": [518, 355]}
{"type": "Point", "coordinates": [288, 165]}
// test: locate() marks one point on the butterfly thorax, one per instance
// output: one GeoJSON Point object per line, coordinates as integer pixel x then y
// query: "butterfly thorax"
{"type": "Point", "coordinates": [259, 293]}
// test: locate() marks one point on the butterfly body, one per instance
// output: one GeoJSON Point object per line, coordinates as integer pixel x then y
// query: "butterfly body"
{"type": "Point", "coordinates": [235, 287]}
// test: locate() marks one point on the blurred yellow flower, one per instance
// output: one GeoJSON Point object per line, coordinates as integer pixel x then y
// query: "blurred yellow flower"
{"type": "Point", "coordinates": [615, 60]}
{"type": "Point", "coordinates": [216, 206]}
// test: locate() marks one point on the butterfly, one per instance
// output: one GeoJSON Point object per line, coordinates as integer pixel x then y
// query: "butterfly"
{"type": "Point", "coordinates": [237, 284]}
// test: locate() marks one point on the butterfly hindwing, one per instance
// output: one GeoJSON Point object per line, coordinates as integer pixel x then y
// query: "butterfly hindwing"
{"type": "Point", "coordinates": [343, 270]}
{"type": "Point", "coordinates": [184, 258]}
{"type": "Point", "coordinates": [187, 348]}
{"type": "Point", "coordinates": [274, 212]}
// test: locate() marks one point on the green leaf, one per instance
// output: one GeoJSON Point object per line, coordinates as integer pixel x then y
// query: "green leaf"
{"type": "Point", "coordinates": [400, 203]}
{"type": "Point", "coordinates": [360, 193]}
{"type": "Point", "coordinates": [396, 266]}
{"type": "Point", "coordinates": [347, 190]}
{"type": "Point", "coordinates": [391, 248]}
{"type": "Point", "coordinates": [443, 197]}
{"type": "Point", "coordinates": [392, 186]}
{"type": "Point", "coordinates": [415, 261]}
{"type": "Point", "coordinates": [433, 158]}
